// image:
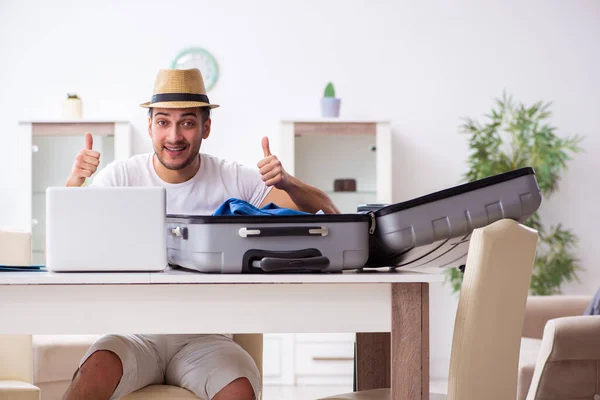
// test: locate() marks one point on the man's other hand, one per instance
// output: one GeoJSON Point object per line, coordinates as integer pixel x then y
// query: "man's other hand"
{"type": "Point", "coordinates": [86, 163]}
{"type": "Point", "coordinates": [271, 169]}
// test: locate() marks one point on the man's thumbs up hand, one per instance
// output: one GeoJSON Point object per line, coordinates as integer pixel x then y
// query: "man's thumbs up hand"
{"type": "Point", "coordinates": [271, 169]}
{"type": "Point", "coordinates": [89, 141]}
{"type": "Point", "coordinates": [265, 146]}
{"type": "Point", "coordinates": [86, 163]}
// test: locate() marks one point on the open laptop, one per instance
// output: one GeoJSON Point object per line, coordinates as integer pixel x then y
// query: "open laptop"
{"type": "Point", "coordinates": [106, 229]}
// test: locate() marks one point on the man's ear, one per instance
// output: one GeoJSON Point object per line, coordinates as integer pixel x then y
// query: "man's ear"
{"type": "Point", "coordinates": [206, 131]}
{"type": "Point", "coordinates": [150, 126]}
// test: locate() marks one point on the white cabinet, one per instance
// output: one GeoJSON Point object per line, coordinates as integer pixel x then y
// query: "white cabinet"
{"type": "Point", "coordinates": [46, 152]}
{"type": "Point", "coordinates": [323, 359]}
{"type": "Point", "coordinates": [318, 152]}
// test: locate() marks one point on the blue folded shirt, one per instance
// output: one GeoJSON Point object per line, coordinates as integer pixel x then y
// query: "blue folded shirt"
{"type": "Point", "coordinates": [241, 207]}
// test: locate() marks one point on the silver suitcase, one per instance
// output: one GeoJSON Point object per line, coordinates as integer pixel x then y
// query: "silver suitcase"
{"type": "Point", "coordinates": [431, 230]}
{"type": "Point", "coordinates": [246, 244]}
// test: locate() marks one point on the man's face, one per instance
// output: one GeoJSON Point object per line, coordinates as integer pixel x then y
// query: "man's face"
{"type": "Point", "coordinates": [177, 134]}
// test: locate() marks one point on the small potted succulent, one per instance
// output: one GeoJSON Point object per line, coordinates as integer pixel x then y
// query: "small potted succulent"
{"type": "Point", "coordinates": [330, 105]}
{"type": "Point", "coordinates": [72, 107]}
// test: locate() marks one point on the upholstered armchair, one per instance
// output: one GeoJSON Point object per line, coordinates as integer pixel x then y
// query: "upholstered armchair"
{"type": "Point", "coordinates": [567, 365]}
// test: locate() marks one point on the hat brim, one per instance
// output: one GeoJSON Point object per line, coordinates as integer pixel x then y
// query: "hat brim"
{"type": "Point", "coordinates": [178, 104]}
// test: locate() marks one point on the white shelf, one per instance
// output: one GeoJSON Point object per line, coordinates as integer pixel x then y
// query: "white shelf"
{"type": "Point", "coordinates": [75, 121]}
{"type": "Point", "coordinates": [318, 151]}
{"type": "Point", "coordinates": [46, 150]}
{"type": "Point", "coordinates": [336, 120]}
{"type": "Point", "coordinates": [355, 192]}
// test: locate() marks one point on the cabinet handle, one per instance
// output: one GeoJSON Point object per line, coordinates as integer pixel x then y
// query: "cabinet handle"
{"type": "Point", "coordinates": [333, 358]}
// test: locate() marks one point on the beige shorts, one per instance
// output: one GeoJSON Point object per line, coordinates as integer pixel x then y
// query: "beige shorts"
{"type": "Point", "coordinates": [202, 364]}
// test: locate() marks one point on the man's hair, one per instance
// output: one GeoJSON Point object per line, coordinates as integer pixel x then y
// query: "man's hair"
{"type": "Point", "coordinates": [204, 113]}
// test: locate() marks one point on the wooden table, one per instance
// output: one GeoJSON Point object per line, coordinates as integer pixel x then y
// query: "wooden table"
{"type": "Point", "coordinates": [374, 304]}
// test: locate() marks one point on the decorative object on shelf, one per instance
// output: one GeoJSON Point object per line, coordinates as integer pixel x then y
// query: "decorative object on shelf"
{"type": "Point", "coordinates": [330, 105]}
{"type": "Point", "coordinates": [197, 57]}
{"type": "Point", "coordinates": [72, 107]}
{"type": "Point", "coordinates": [344, 185]}
{"type": "Point", "coordinates": [517, 136]}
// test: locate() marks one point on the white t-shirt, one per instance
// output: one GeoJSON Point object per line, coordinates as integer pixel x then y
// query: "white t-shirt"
{"type": "Point", "coordinates": [215, 182]}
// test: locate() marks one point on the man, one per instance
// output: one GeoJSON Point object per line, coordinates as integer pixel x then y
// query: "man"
{"type": "Point", "coordinates": [211, 366]}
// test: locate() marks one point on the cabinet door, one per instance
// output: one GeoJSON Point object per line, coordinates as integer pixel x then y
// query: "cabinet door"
{"type": "Point", "coordinates": [278, 359]}
{"type": "Point", "coordinates": [51, 162]}
{"type": "Point", "coordinates": [320, 160]}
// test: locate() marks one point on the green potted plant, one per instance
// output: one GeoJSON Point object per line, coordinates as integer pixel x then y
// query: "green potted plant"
{"type": "Point", "coordinates": [72, 107]}
{"type": "Point", "coordinates": [515, 136]}
{"type": "Point", "coordinates": [330, 105]}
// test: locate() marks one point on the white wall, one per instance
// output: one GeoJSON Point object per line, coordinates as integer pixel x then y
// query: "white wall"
{"type": "Point", "coordinates": [421, 65]}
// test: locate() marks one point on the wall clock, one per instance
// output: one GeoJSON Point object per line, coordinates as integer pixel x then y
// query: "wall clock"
{"type": "Point", "coordinates": [197, 57]}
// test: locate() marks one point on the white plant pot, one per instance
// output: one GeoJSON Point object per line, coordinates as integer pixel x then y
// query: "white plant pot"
{"type": "Point", "coordinates": [72, 109]}
{"type": "Point", "coordinates": [330, 107]}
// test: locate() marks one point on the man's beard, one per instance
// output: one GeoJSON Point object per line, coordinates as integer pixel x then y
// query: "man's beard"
{"type": "Point", "coordinates": [192, 157]}
{"type": "Point", "coordinates": [181, 166]}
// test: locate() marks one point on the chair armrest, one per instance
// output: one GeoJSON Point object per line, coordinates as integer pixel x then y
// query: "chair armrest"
{"type": "Point", "coordinates": [17, 390]}
{"type": "Point", "coordinates": [568, 361]}
{"type": "Point", "coordinates": [573, 338]}
{"type": "Point", "coordinates": [540, 309]}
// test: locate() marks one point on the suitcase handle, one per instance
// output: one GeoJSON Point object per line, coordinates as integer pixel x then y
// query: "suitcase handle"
{"type": "Point", "coordinates": [264, 231]}
{"type": "Point", "coordinates": [274, 264]}
{"type": "Point", "coordinates": [302, 260]}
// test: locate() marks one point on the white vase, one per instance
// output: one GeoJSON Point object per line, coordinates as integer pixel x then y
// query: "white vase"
{"type": "Point", "coordinates": [72, 109]}
{"type": "Point", "coordinates": [330, 107]}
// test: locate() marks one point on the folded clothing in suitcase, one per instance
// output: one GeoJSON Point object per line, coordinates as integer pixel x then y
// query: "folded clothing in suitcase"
{"type": "Point", "coordinates": [430, 228]}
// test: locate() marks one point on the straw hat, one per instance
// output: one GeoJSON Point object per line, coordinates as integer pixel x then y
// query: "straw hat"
{"type": "Point", "coordinates": [179, 88]}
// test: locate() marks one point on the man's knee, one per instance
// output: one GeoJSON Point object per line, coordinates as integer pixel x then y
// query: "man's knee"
{"type": "Point", "coordinates": [239, 389]}
{"type": "Point", "coordinates": [98, 376]}
{"type": "Point", "coordinates": [102, 365]}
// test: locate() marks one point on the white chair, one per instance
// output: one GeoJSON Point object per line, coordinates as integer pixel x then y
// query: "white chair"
{"type": "Point", "coordinates": [489, 320]}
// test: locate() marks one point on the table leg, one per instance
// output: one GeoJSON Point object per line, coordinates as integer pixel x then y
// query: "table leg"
{"type": "Point", "coordinates": [410, 341]}
{"type": "Point", "coordinates": [373, 364]}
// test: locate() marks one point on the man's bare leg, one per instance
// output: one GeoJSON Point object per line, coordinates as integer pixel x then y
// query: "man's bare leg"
{"type": "Point", "coordinates": [240, 389]}
{"type": "Point", "coordinates": [97, 378]}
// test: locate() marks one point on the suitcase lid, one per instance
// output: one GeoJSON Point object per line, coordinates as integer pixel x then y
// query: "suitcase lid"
{"type": "Point", "coordinates": [454, 191]}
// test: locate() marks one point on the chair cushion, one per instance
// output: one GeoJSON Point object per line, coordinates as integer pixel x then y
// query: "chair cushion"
{"type": "Point", "coordinates": [161, 392]}
{"type": "Point", "coordinates": [56, 357]}
{"type": "Point", "coordinates": [530, 348]}
{"type": "Point", "coordinates": [17, 390]}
